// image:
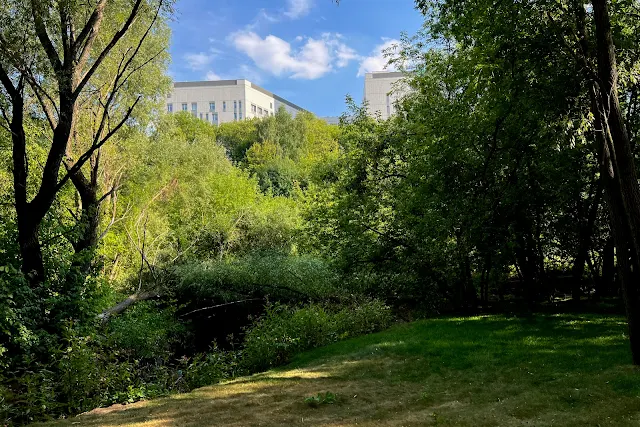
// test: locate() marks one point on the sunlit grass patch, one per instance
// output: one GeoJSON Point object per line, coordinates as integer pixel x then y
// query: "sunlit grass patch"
{"type": "Point", "coordinates": [483, 371]}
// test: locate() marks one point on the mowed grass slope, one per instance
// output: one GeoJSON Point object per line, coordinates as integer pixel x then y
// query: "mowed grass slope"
{"type": "Point", "coordinates": [555, 370]}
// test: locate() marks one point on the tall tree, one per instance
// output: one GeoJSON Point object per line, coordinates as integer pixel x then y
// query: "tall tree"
{"type": "Point", "coordinates": [52, 55]}
{"type": "Point", "coordinates": [618, 169]}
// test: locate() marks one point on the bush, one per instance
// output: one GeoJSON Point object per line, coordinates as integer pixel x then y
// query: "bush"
{"type": "Point", "coordinates": [146, 331]}
{"type": "Point", "coordinates": [209, 368]}
{"type": "Point", "coordinates": [284, 331]}
{"type": "Point", "coordinates": [89, 371]}
{"type": "Point", "coordinates": [280, 277]}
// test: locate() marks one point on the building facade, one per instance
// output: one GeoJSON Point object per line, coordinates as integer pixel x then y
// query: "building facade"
{"type": "Point", "coordinates": [222, 101]}
{"type": "Point", "coordinates": [331, 120]}
{"type": "Point", "coordinates": [381, 90]}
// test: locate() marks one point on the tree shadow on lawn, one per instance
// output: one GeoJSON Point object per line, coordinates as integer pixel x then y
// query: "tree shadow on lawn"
{"type": "Point", "coordinates": [486, 370]}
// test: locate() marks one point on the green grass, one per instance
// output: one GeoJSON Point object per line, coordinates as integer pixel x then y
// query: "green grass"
{"type": "Point", "coordinates": [555, 370]}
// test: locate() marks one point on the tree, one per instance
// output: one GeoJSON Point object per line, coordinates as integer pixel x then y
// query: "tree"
{"type": "Point", "coordinates": [618, 168]}
{"type": "Point", "coordinates": [54, 55]}
{"type": "Point", "coordinates": [587, 38]}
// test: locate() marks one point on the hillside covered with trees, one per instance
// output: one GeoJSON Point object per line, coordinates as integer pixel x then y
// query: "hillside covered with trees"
{"type": "Point", "coordinates": [145, 253]}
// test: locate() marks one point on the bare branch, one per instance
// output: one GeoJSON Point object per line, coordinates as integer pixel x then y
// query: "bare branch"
{"type": "Point", "coordinates": [114, 220]}
{"type": "Point", "coordinates": [123, 305]}
{"type": "Point", "coordinates": [221, 305]}
{"type": "Point", "coordinates": [111, 192]}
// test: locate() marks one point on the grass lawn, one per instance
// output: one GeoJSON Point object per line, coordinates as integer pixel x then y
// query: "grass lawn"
{"type": "Point", "coordinates": [552, 370]}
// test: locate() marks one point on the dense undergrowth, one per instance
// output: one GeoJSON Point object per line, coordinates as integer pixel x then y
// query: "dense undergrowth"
{"type": "Point", "coordinates": [135, 357]}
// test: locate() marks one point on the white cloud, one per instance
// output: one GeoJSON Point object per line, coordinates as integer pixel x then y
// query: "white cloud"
{"type": "Point", "coordinates": [344, 53]}
{"type": "Point", "coordinates": [298, 8]}
{"type": "Point", "coordinates": [314, 59]}
{"type": "Point", "coordinates": [198, 61]}
{"type": "Point", "coordinates": [212, 76]}
{"type": "Point", "coordinates": [378, 60]}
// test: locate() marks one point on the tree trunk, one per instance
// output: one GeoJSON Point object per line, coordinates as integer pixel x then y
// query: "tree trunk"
{"type": "Point", "coordinates": [123, 305]}
{"type": "Point", "coordinates": [30, 249]}
{"type": "Point", "coordinates": [623, 192]}
{"type": "Point", "coordinates": [608, 276]}
{"type": "Point", "coordinates": [528, 258]}
{"type": "Point", "coordinates": [28, 223]}
{"type": "Point", "coordinates": [586, 230]}
{"type": "Point", "coordinates": [87, 238]}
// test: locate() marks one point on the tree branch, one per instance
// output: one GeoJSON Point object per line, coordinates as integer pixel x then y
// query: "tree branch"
{"type": "Point", "coordinates": [45, 41]}
{"type": "Point", "coordinates": [88, 34]}
{"type": "Point", "coordinates": [220, 305]}
{"type": "Point", "coordinates": [87, 154]}
{"type": "Point", "coordinates": [7, 83]}
{"type": "Point", "coordinates": [123, 305]}
{"type": "Point", "coordinates": [116, 38]}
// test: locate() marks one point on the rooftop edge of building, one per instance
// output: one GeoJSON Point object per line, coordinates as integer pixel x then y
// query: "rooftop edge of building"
{"type": "Point", "coordinates": [383, 74]}
{"type": "Point", "coordinates": [214, 83]}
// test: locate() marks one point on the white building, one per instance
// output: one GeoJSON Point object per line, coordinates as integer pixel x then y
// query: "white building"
{"type": "Point", "coordinates": [222, 101]}
{"type": "Point", "coordinates": [381, 91]}
{"type": "Point", "coordinates": [331, 120]}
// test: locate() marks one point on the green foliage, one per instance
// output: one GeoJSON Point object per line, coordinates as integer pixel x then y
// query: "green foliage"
{"type": "Point", "coordinates": [284, 153]}
{"type": "Point", "coordinates": [284, 331]}
{"type": "Point", "coordinates": [327, 398]}
{"type": "Point", "coordinates": [278, 277]}
{"type": "Point", "coordinates": [83, 373]}
{"type": "Point", "coordinates": [146, 331]}
{"type": "Point", "coordinates": [237, 138]}
{"type": "Point", "coordinates": [212, 367]}
{"type": "Point", "coordinates": [487, 172]}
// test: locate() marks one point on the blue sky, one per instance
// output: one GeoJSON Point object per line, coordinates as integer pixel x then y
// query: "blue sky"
{"type": "Point", "coordinates": [311, 52]}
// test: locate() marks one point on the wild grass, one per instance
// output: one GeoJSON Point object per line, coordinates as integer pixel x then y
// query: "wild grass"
{"type": "Point", "coordinates": [546, 370]}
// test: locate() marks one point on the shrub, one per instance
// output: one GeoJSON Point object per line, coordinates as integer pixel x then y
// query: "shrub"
{"type": "Point", "coordinates": [282, 278]}
{"type": "Point", "coordinates": [146, 331]}
{"type": "Point", "coordinates": [212, 367]}
{"type": "Point", "coordinates": [284, 331]}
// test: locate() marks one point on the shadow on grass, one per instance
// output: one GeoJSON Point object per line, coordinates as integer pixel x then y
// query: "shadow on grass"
{"type": "Point", "coordinates": [485, 370]}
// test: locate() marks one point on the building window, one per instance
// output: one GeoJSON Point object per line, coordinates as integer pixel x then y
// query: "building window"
{"type": "Point", "coordinates": [215, 118]}
{"type": "Point", "coordinates": [271, 105]}
{"type": "Point", "coordinates": [224, 105]}
{"type": "Point", "coordinates": [240, 105]}
{"type": "Point", "coordinates": [388, 110]}
{"type": "Point", "coordinates": [260, 110]}
{"type": "Point", "coordinates": [235, 105]}
{"type": "Point", "coordinates": [240, 116]}
{"type": "Point", "coordinates": [235, 116]}
{"type": "Point", "coordinates": [212, 106]}
{"type": "Point", "coordinates": [253, 108]}
{"type": "Point", "coordinates": [169, 108]}
{"type": "Point", "coordinates": [200, 116]}
{"type": "Point", "coordinates": [184, 106]}
{"type": "Point", "coordinates": [194, 106]}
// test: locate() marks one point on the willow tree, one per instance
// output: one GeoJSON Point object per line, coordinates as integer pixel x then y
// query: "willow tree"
{"type": "Point", "coordinates": [62, 61]}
